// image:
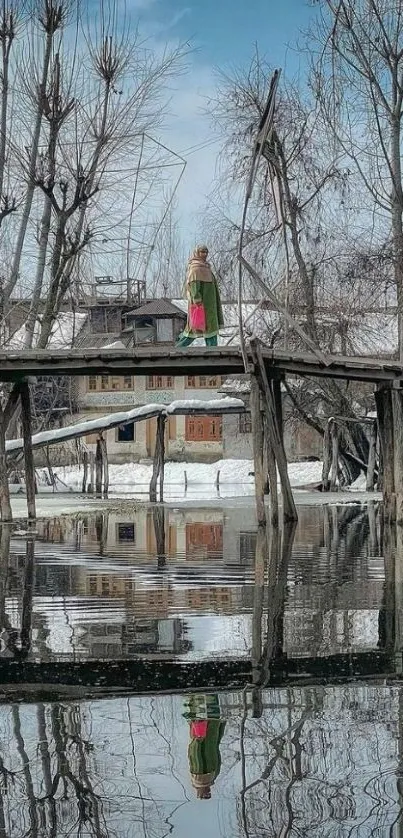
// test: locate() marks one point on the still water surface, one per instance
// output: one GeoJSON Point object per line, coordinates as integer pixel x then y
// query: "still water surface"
{"type": "Point", "coordinates": [304, 758]}
{"type": "Point", "coordinates": [320, 762]}
{"type": "Point", "coordinates": [184, 583]}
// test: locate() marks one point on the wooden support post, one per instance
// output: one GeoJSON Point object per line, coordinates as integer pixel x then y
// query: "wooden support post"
{"type": "Point", "coordinates": [98, 468]}
{"type": "Point", "coordinates": [27, 594]}
{"type": "Point", "coordinates": [91, 487]}
{"type": "Point", "coordinates": [371, 458]}
{"type": "Point", "coordinates": [270, 470]}
{"type": "Point", "coordinates": [257, 439]}
{"type": "Point", "coordinates": [326, 459]}
{"type": "Point", "coordinates": [383, 400]}
{"type": "Point", "coordinates": [159, 531]}
{"type": "Point", "coordinates": [159, 460]}
{"type": "Point", "coordinates": [278, 405]}
{"type": "Point", "coordinates": [85, 471]}
{"type": "Point", "coordinates": [257, 616]}
{"type": "Point", "coordinates": [105, 465]}
{"type": "Point", "coordinates": [335, 438]}
{"type": "Point", "coordinates": [5, 505]}
{"type": "Point", "coordinates": [26, 422]}
{"type": "Point", "coordinates": [397, 413]}
{"type": "Point", "coordinates": [161, 426]}
{"type": "Point", "coordinates": [290, 511]}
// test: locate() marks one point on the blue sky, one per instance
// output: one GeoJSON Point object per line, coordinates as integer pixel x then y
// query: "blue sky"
{"type": "Point", "coordinates": [224, 31]}
{"type": "Point", "coordinates": [223, 34]}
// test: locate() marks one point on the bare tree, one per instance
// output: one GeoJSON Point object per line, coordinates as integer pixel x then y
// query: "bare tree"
{"type": "Point", "coordinates": [357, 79]}
{"type": "Point", "coordinates": [293, 231]}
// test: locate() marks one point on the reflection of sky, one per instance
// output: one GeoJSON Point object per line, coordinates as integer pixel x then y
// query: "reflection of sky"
{"type": "Point", "coordinates": [137, 762]}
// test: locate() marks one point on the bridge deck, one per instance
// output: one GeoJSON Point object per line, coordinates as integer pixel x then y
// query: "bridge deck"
{"type": "Point", "coordinates": [162, 360]}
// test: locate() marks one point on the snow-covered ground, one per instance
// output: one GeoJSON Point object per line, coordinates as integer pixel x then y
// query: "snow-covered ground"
{"type": "Point", "coordinates": [234, 477]}
{"type": "Point", "coordinates": [130, 482]}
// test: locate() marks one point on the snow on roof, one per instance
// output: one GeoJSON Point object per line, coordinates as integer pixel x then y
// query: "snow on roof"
{"type": "Point", "coordinates": [64, 331]}
{"type": "Point", "coordinates": [157, 308]}
{"type": "Point", "coordinates": [200, 406]}
{"type": "Point", "coordinates": [236, 384]}
{"type": "Point", "coordinates": [114, 420]}
{"type": "Point", "coordinates": [116, 344]}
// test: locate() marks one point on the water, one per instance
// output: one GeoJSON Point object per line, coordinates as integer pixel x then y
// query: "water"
{"type": "Point", "coordinates": [180, 584]}
{"type": "Point", "coordinates": [174, 672]}
{"type": "Point", "coordinates": [318, 762]}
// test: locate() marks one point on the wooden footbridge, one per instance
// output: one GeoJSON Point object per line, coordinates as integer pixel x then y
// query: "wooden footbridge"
{"type": "Point", "coordinates": [267, 368]}
{"type": "Point", "coordinates": [160, 360]}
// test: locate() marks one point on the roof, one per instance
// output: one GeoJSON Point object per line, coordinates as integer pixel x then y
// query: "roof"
{"type": "Point", "coordinates": [158, 308]}
{"type": "Point", "coordinates": [103, 340]}
{"type": "Point", "coordinates": [65, 330]}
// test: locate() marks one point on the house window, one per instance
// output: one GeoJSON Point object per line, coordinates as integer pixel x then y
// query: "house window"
{"type": "Point", "coordinates": [160, 382]}
{"type": "Point", "coordinates": [203, 429]}
{"type": "Point", "coordinates": [126, 433]}
{"type": "Point", "coordinates": [203, 382]}
{"type": "Point", "coordinates": [110, 382]}
{"type": "Point", "coordinates": [245, 423]}
{"type": "Point", "coordinates": [204, 537]}
{"type": "Point", "coordinates": [93, 585]}
{"type": "Point", "coordinates": [247, 546]}
{"type": "Point", "coordinates": [126, 533]}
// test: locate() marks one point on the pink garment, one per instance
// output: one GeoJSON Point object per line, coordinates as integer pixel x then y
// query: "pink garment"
{"type": "Point", "coordinates": [198, 730]}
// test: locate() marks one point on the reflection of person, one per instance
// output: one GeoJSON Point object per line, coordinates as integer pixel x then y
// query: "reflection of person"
{"type": "Point", "coordinates": [202, 291]}
{"type": "Point", "coordinates": [204, 746]}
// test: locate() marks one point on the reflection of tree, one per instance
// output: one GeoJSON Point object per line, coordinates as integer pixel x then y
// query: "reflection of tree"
{"type": "Point", "coordinates": [320, 762]}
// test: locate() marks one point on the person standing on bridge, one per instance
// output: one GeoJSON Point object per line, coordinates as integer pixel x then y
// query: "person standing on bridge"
{"type": "Point", "coordinates": [205, 315]}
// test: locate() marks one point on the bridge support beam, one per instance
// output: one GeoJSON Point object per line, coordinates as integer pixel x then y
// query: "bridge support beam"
{"type": "Point", "coordinates": [268, 433]}
{"type": "Point", "coordinates": [389, 406]}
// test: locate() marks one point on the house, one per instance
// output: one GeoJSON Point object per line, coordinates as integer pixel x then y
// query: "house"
{"type": "Point", "coordinates": [300, 440]}
{"type": "Point", "coordinates": [187, 437]}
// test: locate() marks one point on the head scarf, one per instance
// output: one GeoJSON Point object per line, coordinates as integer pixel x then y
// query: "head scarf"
{"type": "Point", "coordinates": [198, 268]}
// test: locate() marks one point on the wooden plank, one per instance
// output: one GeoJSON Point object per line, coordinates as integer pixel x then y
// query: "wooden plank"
{"type": "Point", "coordinates": [371, 457]}
{"type": "Point", "coordinates": [257, 440]}
{"type": "Point", "coordinates": [335, 439]}
{"type": "Point", "coordinates": [224, 360]}
{"type": "Point", "coordinates": [98, 468]}
{"type": "Point", "coordinates": [5, 505]}
{"type": "Point", "coordinates": [26, 421]}
{"type": "Point", "coordinates": [326, 458]}
{"type": "Point", "coordinates": [290, 511]}
{"type": "Point", "coordinates": [383, 400]}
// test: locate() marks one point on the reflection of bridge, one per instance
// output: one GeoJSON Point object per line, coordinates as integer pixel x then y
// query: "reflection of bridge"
{"type": "Point", "coordinates": [162, 674]}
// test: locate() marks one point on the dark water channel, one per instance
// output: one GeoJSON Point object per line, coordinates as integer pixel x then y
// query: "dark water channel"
{"type": "Point", "coordinates": [284, 651]}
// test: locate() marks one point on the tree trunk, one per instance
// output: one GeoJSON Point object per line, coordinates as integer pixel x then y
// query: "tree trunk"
{"type": "Point", "coordinates": [40, 272]}
{"type": "Point", "coordinates": [397, 225]}
{"type": "Point", "coordinates": [31, 170]}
